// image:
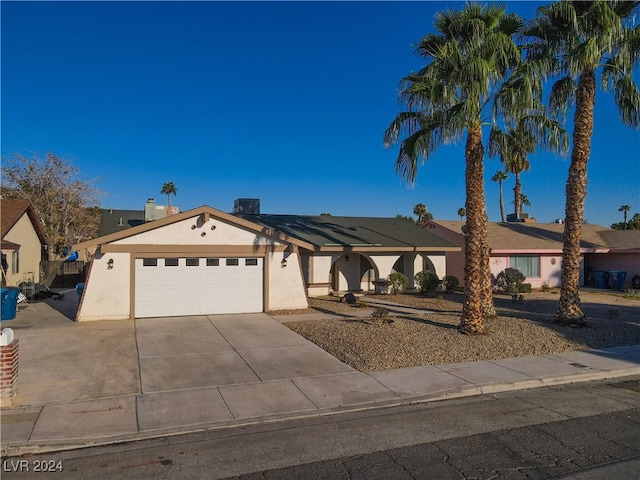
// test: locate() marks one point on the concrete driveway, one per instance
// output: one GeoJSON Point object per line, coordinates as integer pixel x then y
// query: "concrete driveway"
{"type": "Point", "coordinates": [64, 361]}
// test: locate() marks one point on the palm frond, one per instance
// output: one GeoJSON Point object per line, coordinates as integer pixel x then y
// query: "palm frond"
{"type": "Point", "coordinates": [628, 101]}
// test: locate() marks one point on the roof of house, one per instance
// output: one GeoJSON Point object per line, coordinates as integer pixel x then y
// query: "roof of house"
{"type": "Point", "coordinates": [112, 221]}
{"type": "Point", "coordinates": [329, 232]}
{"type": "Point", "coordinates": [548, 236]}
{"type": "Point", "coordinates": [12, 211]}
{"type": "Point", "coordinates": [326, 233]}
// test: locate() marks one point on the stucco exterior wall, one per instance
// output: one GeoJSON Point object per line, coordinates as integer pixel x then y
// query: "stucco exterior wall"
{"type": "Point", "coordinates": [216, 232]}
{"type": "Point", "coordinates": [286, 288]}
{"type": "Point", "coordinates": [439, 262]}
{"type": "Point", "coordinates": [107, 291]}
{"type": "Point", "coordinates": [626, 262]}
{"type": "Point", "coordinates": [30, 254]}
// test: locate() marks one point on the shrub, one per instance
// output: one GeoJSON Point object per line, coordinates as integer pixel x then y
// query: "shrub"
{"type": "Point", "coordinates": [509, 280]}
{"type": "Point", "coordinates": [427, 281]}
{"type": "Point", "coordinates": [524, 288]}
{"type": "Point", "coordinates": [381, 315]}
{"type": "Point", "coordinates": [450, 283]}
{"type": "Point", "coordinates": [398, 281]}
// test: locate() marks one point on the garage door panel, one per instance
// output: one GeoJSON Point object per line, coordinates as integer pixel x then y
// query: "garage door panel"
{"type": "Point", "coordinates": [198, 290]}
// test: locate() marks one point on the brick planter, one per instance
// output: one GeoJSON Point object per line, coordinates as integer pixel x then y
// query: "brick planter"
{"type": "Point", "coordinates": [8, 374]}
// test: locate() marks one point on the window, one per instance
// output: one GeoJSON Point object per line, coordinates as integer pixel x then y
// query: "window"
{"type": "Point", "coordinates": [213, 262]}
{"type": "Point", "coordinates": [149, 262]}
{"type": "Point", "coordinates": [193, 262]}
{"type": "Point", "coordinates": [170, 262]}
{"type": "Point", "coordinates": [232, 262]}
{"type": "Point", "coordinates": [251, 262]}
{"type": "Point", "coordinates": [529, 265]}
{"type": "Point", "coordinates": [15, 261]}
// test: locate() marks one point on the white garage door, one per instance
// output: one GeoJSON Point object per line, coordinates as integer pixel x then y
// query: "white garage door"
{"type": "Point", "coordinates": [166, 287]}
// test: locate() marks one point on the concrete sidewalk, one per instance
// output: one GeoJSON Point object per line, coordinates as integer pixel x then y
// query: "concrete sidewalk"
{"type": "Point", "coordinates": [84, 384]}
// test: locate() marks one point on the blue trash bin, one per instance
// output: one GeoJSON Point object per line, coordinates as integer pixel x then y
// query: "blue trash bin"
{"type": "Point", "coordinates": [601, 279]}
{"type": "Point", "coordinates": [79, 290]}
{"type": "Point", "coordinates": [616, 279]}
{"type": "Point", "coordinates": [9, 302]}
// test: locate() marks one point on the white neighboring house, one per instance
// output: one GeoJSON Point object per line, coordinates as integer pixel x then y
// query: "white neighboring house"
{"type": "Point", "coordinates": [205, 261]}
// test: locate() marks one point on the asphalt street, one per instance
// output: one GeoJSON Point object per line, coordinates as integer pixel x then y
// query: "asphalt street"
{"type": "Point", "coordinates": [583, 431]}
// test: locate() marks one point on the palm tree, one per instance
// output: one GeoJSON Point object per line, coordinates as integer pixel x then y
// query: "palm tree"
{"type": "Point", "coordinates": [574, 39]}
{"type": "Point", "coordinates": [625, 209]}
{"type": "Point", "coordinates": [462, 213]}
{"type": "Point", "coordinates": [420, 211]}
{"type": "Point", "coordinates": [455, 94]}
{"type": "Point", "coordinates": [524, 200]}
{"type": "Point", "coordinates": [500, 177]}
{"type": "Point", "coordinates": [513, 146]}
{"type": "Point", "coordinates": [169, 189]}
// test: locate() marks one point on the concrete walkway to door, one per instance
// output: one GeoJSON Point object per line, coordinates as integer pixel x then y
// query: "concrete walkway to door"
{"type": "Point", "coordinates": [83, 384]}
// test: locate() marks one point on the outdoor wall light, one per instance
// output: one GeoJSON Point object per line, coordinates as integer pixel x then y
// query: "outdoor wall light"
{"type": "Point", "coordinates": [283, 263]}
{"type": "Point", "coordinates": [193, 227]}
{"type": "Point", "coordinates": [346, 258]}
{"type": "Point", "coordinates": [213, 227]}
{"type": "Point", "coordinates": [110, 264]}
{"type": "Point", "coordinates": [203, 234]}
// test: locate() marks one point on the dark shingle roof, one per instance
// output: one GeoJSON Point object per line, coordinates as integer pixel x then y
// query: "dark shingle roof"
{"type": "Point", "coordinates": [113, 221]}
{"type": "Point", "coordinates": [330, 231]}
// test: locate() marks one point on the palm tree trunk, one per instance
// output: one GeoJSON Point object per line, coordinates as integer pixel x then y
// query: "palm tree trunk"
{"type": "Point", "coordinates": [569, 311]}
{"type": "Point", "coordinates": [475, 251]}
{"type": "Point", "coordinates": [517, 190]}
{"type": "Point", "coordinates": [501, 203]}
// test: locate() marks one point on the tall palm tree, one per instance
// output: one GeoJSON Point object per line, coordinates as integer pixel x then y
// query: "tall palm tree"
{"type": "Point", "coordinates": [169, 189]}
{"type": "Point", "coordinates": [459, 90]}
{"type": "Point", "coordinates": [625, 209]}
{"type": "Point", "coordinates": [420, 211]}
{"type": "Point", "coordinates": [500, 177]}
{"type": "Point", "coordinates": [462, 213]}
{"type": "Point", "coordinates": [513, 146]}
{"type": "Point", "coordinates": [575, 39]}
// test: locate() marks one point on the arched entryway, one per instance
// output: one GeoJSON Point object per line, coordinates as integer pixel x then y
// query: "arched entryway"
{"type": "Point", "coordinates": [411, 264]}
{"type": "Point", "coordinates": [352, 272]}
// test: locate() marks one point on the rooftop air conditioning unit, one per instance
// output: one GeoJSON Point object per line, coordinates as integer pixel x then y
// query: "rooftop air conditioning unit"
{"type": "Point", "coordinates": [246, 205]}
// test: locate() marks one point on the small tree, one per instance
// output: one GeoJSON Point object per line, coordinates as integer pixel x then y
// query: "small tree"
{"type": "Point", "coordinates": [462, 212]}
{"type": "Point", "coordinates": [398, 282]}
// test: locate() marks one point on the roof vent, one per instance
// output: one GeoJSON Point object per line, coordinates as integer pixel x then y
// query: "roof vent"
{"type": "Point", "coordinates": [246, 205]}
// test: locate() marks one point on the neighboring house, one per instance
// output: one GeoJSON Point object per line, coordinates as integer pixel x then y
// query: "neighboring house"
{"type": "Point", "coordinates": [536, 250]}
{"type": "Point", "coordinates": [23, 242]}
{"type": "Point", "coordinates": [205, 261]}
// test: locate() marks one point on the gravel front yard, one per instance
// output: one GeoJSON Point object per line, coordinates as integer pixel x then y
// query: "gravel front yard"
{"type": "Point", "coordinates": [430, 337]}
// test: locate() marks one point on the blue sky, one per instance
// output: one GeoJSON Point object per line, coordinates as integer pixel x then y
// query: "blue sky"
{"type": "Point", "coordinates": [282, 101]}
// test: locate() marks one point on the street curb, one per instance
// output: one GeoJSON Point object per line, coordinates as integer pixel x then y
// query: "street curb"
{"type": "Point", "coordinates": [16, 449]}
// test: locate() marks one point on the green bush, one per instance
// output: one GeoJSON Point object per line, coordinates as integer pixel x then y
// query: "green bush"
{"type": "Point", "coordinates": [525, 288]}
{"type": "Point", "coordinates": [398, 281]}
{"type": "Point", "coordinates": [427, 281]}
{"type": "Point", "coordinates": [450, 283]}
{"type": "Point", "coordinates": [380, 313]}
{"type": "Point", "coordinates": [510, 280]}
